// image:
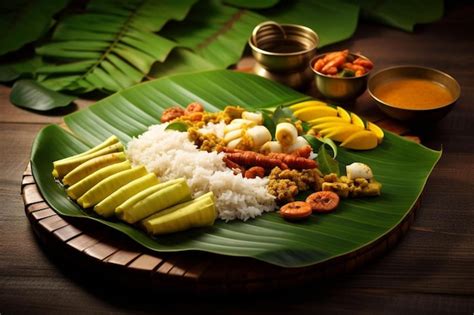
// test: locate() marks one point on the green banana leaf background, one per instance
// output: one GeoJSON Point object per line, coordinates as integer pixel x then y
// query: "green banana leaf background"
{"type": "Point", "coordinates": [400, 165]}
{"type": "Point", "coordinates": [76, 47]}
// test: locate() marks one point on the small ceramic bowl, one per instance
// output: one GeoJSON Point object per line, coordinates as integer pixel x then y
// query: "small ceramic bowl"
{"type": "Point", "coordinates": [424, 116]}
{"type": "Point", "coordinates": [340, 89]}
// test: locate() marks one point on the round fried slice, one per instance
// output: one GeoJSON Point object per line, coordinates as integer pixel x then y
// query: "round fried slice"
{"type": "Point", "coordinates": [323, 201]}
{"type": "Point", "coordinates": [296, 210]}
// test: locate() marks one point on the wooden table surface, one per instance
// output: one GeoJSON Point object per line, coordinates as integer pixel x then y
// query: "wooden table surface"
{"type": "Point", "coordinates": [430, 271]}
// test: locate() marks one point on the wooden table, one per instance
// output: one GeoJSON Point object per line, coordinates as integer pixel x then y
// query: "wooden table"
{"type": "Point", "coordinates": [431, 271]}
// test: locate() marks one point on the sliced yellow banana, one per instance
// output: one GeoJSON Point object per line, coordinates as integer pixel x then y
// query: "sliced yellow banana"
{"type": "Point", "coordinates": [106, 207]}
{"type": "Point", "coordinates": [259, 135]}
{"type": "Point", "coordinates": [286, 134]}
{"type": "Point", "coordinates": [110, 184]}
{"type": "Point", "coordinates": [252, 116]}
{"type": "Point", "coordinates": [63, 167]}
{"type": "Point", "coordinates": [81, 187]}
{"type": "Point", "coordinates": [195, 213]}
{"type": "Point", "coordinates": [271, 146]}
{"type": "Point", "coordinates": [91, 166]}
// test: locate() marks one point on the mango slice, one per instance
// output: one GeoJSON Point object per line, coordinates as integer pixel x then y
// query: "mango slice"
{"type": "Point", "coordinates": [377, 130]}
{"type": "Point", "coordinates": [313, 112]}
{"type": "Point", "coordinates": [340, 133]}
{"type": "Point", "coordinates": [361, 140]}
{"type": "Point", "coordinates": [301, 105]}
{"type": "Point", "coordinates": [356, 120]}
{"type": "Point", "coordinates": [344, 114]}
{"type": "Point", "coordinates": [326, 119]}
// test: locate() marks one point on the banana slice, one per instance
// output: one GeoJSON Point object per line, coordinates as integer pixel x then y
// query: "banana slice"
{"type": "Point", "coordinates": [107, 186]}
{"type": "Point", "coordinates": [255, 117]}
{"type": "Point", "coordinates": [271, 146]}
{"type": "Point", "coordinates": [259, 135]}
{"type": "Point", "coordinates": [286, 134]}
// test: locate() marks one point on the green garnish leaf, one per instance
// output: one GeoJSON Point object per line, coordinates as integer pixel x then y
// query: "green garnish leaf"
{"type": "Point", "coordinates": [327, 164]}
{"type": "Point", "coordinates": [269, 123]}
{"type": "Point", "coordinates": [316, 143]}
{"type": "Point", "coordinates": [282, 114]}
{"type": "Point", "coordinates": [178, 126]}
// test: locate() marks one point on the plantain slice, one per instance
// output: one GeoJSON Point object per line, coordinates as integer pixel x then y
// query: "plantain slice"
{"type": "Point", "coordinates": [199, 212]}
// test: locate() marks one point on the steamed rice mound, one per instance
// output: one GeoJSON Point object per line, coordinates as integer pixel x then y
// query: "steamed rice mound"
{"type": "Point", "coordinates": [169, 154]}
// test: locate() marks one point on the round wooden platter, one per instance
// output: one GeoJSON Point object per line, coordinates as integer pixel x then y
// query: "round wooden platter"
{"type": "Point", "coordinates": [89, 245]}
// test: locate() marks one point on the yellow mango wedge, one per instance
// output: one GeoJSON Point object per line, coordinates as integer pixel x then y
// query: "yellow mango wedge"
{"type": "Point", "coordinates": [313, 112]}
{"type": "Point", "coordinates": [343, 114]}
{"type": "Point", "coordinates": [356, 120]}
{"type": "Point", "coordinates": [301, 105]}
{"type": "Point", "coordinates": [335, 124]}
{"type": "Point", "coordinates": [341, 133]}
{"type": "Point", "coordinates": [326, 119]}
{"type": "Point", "coordinates": [377, 130]}
{"type": "Point", "coordinates": [361, 140]}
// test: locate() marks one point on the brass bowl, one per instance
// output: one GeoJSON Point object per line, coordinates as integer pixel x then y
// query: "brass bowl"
{"type": "Point", "coordinates": [283, 48]}
{"type": "Point", "coordinates": [425, 116]}
{"type": "Point", "coordinates": [340, 89]}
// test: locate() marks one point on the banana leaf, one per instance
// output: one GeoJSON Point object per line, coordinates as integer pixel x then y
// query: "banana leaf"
{"type": "Point", "coordinates": [333, 20]}
{"type": "Point", "coordinates": [180, 60]}
{"type": "Point", "coordinates": [402, 14]}
{"type": "Point", "coordinates": [216, 32]}
{"type": "Point", "coordinates": [401, 166]}
{"type": "Point", "coordinates": [24, 21]}
{"type": "Point", "coordinates": [19, 68]}
{"type": "Point", "coordinates": [109, 47]}
{"type": "Point", "coordinates": [249, 4]}
{"type": "Point", "coordinates": [32, 95]}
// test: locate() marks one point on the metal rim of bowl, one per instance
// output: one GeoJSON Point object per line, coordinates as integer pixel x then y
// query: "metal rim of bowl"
{"type": "Point", "coordinates": [455, 98]}
{"type": "Point", "coordinates": [270, 53]}
{"type": "Point", "coordinates": [312, 61]}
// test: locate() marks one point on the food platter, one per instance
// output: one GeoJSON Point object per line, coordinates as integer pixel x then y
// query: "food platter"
{"type": "Point", "coordinates": [342, 239]}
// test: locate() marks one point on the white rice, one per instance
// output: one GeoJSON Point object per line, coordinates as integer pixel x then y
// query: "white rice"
{"type": "Point", "coordinates": [169, 154]}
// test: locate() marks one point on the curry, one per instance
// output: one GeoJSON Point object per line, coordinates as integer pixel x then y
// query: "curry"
{"type": "Point", "coordinates": [414, 94]}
